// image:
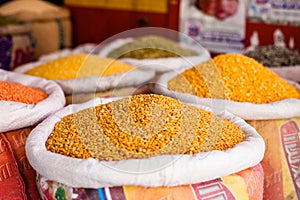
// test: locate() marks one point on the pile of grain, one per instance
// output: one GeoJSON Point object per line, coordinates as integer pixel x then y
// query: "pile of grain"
{"type": "Point", "coordinates": [10, 91]}
{"type": "Point", "coordinates": [233, 77]}
{"type": "Point", "coordinates": [141, 126]}
{"type": "Point", "coordinates": [79, 66]}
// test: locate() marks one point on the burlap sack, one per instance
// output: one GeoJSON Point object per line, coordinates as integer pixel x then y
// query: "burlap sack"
{"type": "Point", "coordinates": [17, 44]}
{"type": "Point", "coordinates": [51, 25]}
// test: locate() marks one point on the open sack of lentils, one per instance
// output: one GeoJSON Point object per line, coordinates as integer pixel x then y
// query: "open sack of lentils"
{"type": "Point", "coordinates": [252, 91]}
{"type": "Point", "coordinates": [24, 102]}
{"type": "Point", "coordinates": [283, 61]}
{"type": "Point", "coordinates": [87, 73]}
{"type": "Point", "coordinates": [145, 140]}
{"type": "Point", "coordinates": [154, 52]}
{"type": "Point", "coordinates": [236, 83]}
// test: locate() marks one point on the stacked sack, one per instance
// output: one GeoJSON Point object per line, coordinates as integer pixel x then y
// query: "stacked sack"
{"type": "Point", "coordinates": [244, 87]}
{"type": "Point", "coordinates": [50, 24]}
{"type": "Point", "coordinates": [24, 101]}
{"type": "Point", "coordinates": [17, 44]}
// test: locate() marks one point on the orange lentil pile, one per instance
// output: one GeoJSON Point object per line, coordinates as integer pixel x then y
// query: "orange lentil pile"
{"type": "Point", "coordinates": [10, 91]}
{"type": "Point", "coordinates": [238, 77]}
{"type": "Point", "coordinates": [141, 126]}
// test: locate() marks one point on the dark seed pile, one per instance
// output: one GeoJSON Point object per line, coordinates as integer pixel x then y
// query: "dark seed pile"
{"type": "Point", "coordinates": [274, 56]}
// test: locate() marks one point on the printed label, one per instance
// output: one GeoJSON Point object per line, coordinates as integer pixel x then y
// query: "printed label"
{"type": "Point", "coordinates": [214, 189]}
{"type": "Point", "coordinates": [291, 146]}
{"type": "Point", "coordinates": [5, 172]}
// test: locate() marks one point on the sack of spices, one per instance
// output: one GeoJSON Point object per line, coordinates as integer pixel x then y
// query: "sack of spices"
{"type": "Point", "coordinates": [154, 52]}
{"type": "Point", "coordinates": [24, 102]}
{"type": "Point", "coordinates": [269, 103]}
{"type": "Point", "coordinates": [51, 24]}
{"type": "Point", "coordinates": [17, 44]}
{"type": "Point", "coordinates": [235, 83]}
{"type": "Point", "coordinates": [246, 184]}
{"type": "Point", "coordinates": [87, 73]}
{"type": "Point", "coordinates": [283, 61]}
{"type": "Point", "coordinates": [146, 140]}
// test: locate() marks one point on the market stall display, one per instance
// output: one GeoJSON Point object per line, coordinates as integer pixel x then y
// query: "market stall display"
{"type": "Point", "coordinates": [24, 102]}
{"type": "Point", "coordinates": [150, 113]}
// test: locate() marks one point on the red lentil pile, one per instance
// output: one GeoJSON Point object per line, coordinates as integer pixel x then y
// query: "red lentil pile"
{"type": "Point", "coordinates": [238, 77]}
{"type": "Point", "coordinates": [10, 91]}
{"type": "Point", "coordinates": [141, 126]}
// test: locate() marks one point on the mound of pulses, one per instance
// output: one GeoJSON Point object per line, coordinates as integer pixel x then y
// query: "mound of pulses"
{"type": "Point", "coordinates": [243, 80]}
{"type": "Point", "coordinates": [79, 66]}
{"type": "Point", "coordinates": [16, 92]}
{"type": "Point", "coordinates": [141, 126]}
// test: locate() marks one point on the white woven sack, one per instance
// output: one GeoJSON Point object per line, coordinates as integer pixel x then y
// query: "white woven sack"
{"type": "Point", "coordinates": [81, 49]}
{"type": "Point", "coordinates": [291, 73]}
{"type": "Point", "coordinates": [166, 170]}
{"type": "Point", "coordinates": [96, 83]}
{"type": "Point", "coordinates": [283, 109]}
{"type": "Point", "coordinates": [15, 115]}
{"type": "Point", "coordinates": [158, 64]}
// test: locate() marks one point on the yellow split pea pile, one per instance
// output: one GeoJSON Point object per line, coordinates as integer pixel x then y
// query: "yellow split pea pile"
{"type": "Point", "coordinates": [141, 126]}
{"type": "Point", "coordinates": [233, 77]}
{"type": "Point", "coordinates": [79, 66]}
